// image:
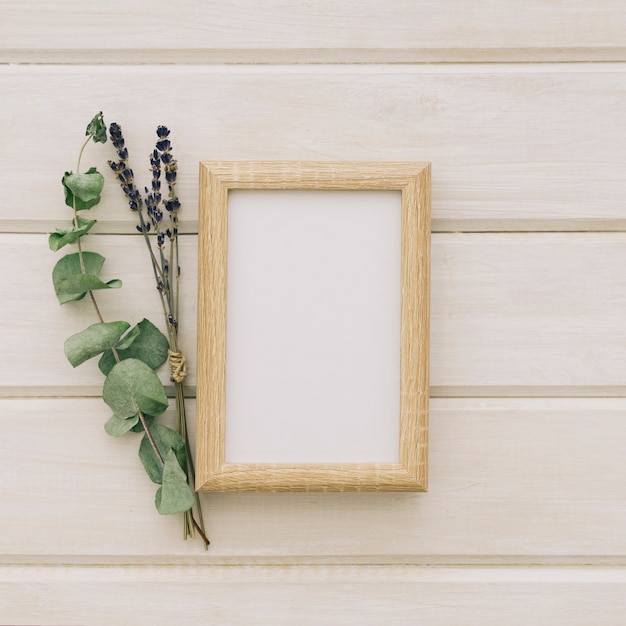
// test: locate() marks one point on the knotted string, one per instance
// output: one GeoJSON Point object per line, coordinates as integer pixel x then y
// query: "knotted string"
{"type": "Point", "coordinates": [178, 366]}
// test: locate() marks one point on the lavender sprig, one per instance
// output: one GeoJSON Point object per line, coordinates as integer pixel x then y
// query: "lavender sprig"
{"type": "Point", "coordinates": [160, 224]}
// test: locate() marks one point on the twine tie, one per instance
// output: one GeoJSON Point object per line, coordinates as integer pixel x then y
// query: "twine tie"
{"type": "Point", "coordinates": [178, 366]}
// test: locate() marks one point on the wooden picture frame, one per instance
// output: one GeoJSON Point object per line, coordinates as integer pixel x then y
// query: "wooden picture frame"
{"type": "Point", "coordinates": [217, 181]}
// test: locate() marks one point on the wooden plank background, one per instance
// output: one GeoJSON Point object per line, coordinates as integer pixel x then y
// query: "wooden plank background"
{"type": "Point", "coordinates": [348, 31]}
{"type": "Point", "coordinates": [513, 147]}
{"type": "Point", "coordinates": [521, 109]}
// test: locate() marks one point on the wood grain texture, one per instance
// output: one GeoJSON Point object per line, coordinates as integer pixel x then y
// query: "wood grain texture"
{"type": "Point", "coordinates": [302, 32]}
{"type": "Point", "coordinates": [415, 327]}
{"type": "Point", "coordinates": [313, 596]}
{"type": "Point", "coordinates": [510, 311]}
{"type": "Point", "coordinates": [509, 142]}
{"type": "Point", "coordinates": [510, 481]}
{"type": "Point", "coordinates": [217, 179]}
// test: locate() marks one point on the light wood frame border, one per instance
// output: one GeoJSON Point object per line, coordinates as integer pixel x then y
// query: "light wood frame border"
{"type": "Point", "coordinates": [216, 179]}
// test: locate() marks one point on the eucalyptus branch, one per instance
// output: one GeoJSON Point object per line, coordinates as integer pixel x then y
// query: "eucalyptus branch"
{"type": "Point", "coordinates": [142, 419]}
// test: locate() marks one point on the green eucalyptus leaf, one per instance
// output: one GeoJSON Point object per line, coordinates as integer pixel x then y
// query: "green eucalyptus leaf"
{"type": "Point", "coordinates": [175, 495]}
{"type": "Point", "coordinates": [82, 283]}
{"type": "Point", "coordinates": [97, 129]}
{"type": "Point", "coordinates": [129, 338]}
{"type": "Point", "coordinates": [166, 440]}
{"type": "Point", "coordinates": [84, 189]}
{"type": "Point", "coordinates": [116, 426]}
{"type": "Point", "coordinates": [69, 265]}
{"type": "Point", "coordinates": [62, 237]}
{"type": "Point", "coordinates": [93, 340]}
{"type": "Point", "coordinates": [131, 387]}
{"type": "Point", "coordinates": [144, 342]}
{"type": "Point", "coordinates": [69, 281]}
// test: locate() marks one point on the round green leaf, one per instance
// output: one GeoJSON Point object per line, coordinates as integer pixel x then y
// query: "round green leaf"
{"type": "Point", "coordinates": [144, 342]}
{"type": "Point", "coordinates": [128, 339]}
{"type": "Point", "coordinates": [116, 426]}
{"type": "Point", "coordinates": [84, 189]}
{"type": "Point", "coordinates": [70, 283]}
{"type": "Point", "coordinates": [175, 495]}
{"type": "Point", "coordinates": [97, 129]}
{"type": "Point", "coordinates": [166, 439]}
{"type": "Point", "coordinates": [93, 340]}
{"type": "Point", "coordinates": [131, 387]}
{"type": "Point", "coordinates": [62, 237]}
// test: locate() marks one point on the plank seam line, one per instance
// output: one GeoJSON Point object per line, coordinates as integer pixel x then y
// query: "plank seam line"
{"type": "Point", "coordinates": [449, 562]}
{"type": "Point", "coordinates": [108, 230]}
{"type": "Point", "coordinates": [558, 392]}
{"type": "Point", "coordinates": [76, 58]}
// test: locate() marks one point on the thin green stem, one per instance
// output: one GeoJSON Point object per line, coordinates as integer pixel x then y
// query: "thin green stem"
{"type": "Point", "coordinates": [81, 259]}
{"type": "Point", "coordinates": [80, 154]}
{"type": "Point", "coordinates": [166, 279]}
{"type": "Point", "coordinates": [100, 318]}
{"type": "Point", "coordinates": [172, 268]}
{"type": "Point", "coordinates": [158, 274]}
{"type": "Point", "coordinates": [80, 247]}
{"type": "Point", "coordinates": [146, 428]}
{"type": "Point", "coordinates": [177, 279]}
{"type": "Point", "coordinates": [189, 524]}
{"type": "Point", "coordinates": [180, 399]}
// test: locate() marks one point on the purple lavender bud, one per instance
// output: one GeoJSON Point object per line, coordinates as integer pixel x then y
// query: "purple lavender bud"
{"type": "Point", "coordinates": [172, 205]}
{"type": "Point", "coordinates": [162, 132]}
{"type": "Point", "coordinates": [115, 130]}
{"type": "Point", "coordinates": [164, 145]}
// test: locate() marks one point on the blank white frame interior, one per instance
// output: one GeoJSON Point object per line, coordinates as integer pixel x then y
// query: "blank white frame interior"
{"type": "Point", "coordinates": [313, 326]}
